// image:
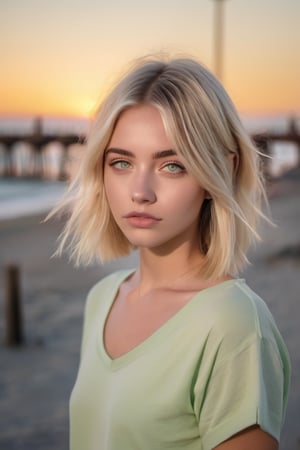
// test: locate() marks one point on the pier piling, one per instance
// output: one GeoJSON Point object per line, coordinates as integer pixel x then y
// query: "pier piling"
{"type": "Point", "coordinates": [13, 313]}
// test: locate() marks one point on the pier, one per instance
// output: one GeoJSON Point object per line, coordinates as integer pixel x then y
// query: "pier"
{"type": "Point", "coordinates": [38, 141]}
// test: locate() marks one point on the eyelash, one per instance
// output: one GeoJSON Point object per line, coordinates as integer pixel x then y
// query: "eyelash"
{"type": "Point", "coordinates": [114, 162]}
{"type": "Point", "coordinates": [174, 163]}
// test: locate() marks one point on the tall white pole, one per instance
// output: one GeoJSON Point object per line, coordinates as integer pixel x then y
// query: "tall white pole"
{"type": "Point", "coordinates": [218, 38]}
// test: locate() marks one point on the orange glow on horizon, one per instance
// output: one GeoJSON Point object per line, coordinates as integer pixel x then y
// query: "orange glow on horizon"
{"type": "Point", "coordinates": [32, 103]}
{"type": "Point", "coordinates": [261, 96]}
{"type": "Point", "coordinates": [253, 86]}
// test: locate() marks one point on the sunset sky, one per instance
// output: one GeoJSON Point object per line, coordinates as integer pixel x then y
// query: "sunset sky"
{"type": "Point", "coordinates": [58, 57]}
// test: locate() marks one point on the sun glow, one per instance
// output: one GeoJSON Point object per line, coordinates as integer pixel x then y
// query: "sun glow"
{"type": "Point", "coordinates": [59, 60]}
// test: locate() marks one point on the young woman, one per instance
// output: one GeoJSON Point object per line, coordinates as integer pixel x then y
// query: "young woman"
{"type": "Point", "coordinates": [179, 353]}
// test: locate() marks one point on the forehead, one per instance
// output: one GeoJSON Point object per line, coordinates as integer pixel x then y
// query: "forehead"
{"type": "Point", "coordinates": [140, 126]}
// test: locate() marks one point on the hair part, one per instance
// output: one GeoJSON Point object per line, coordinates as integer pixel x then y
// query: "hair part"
{"type": "Point", "coordinates": [204, 128]}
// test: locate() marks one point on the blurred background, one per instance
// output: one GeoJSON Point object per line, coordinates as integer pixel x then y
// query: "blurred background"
{"type": "Point", "coordinates": [58, 59]}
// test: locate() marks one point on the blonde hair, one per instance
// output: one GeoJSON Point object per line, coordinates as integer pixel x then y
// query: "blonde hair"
{"type": "Point", "coordinates": [204, 128]}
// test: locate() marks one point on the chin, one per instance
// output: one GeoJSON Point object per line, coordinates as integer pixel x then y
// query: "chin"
{"type": "Point", "coordinates": [144, 242]}
{"type": "Point", "coordinates": [149, 239]}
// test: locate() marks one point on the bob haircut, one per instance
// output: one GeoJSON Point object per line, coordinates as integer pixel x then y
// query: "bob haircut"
{"type": "Point", "coordinates": [203, 127]}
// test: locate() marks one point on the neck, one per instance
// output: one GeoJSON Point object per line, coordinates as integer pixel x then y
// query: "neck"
{"type": "Point", "coordinates": [159, 269]}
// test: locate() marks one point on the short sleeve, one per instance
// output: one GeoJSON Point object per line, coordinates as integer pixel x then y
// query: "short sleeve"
{"type": "Point", "coordinates": [245, 388]}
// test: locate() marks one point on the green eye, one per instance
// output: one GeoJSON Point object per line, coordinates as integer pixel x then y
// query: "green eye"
{"type": "Point", "coordinates": [173, 168]}
{"type": "Point", "coordinates": [121, 164]}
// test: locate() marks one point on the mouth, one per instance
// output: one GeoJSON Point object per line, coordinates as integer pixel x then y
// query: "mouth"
{"type": "Point", "coordinates": [141, 215]}
{"type": "Point", "coordinates": [141, 219]}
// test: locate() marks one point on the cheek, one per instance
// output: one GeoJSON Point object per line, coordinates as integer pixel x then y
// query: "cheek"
{"type": "Point", "coordinates": [110, 196]}
{"type": "Point", "coordinates": [114, 192]}
{"type": "Point", "coordinates": [110, 188]}
{"type": "Point", "coordinates": [189, 200]}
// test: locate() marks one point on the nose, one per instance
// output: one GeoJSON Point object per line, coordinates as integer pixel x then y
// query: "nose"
{"type": "Point", "coordinates": [142, 189]}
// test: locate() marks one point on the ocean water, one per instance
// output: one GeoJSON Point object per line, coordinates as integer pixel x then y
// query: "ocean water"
{"type": "Point", "coordinates": [23, 196]}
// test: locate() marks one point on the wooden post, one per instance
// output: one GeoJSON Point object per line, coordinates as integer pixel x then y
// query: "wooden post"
{"type": "Point", "coordinates": [62, 164]}
{"type": "Point", "coordinates": [14, 329]}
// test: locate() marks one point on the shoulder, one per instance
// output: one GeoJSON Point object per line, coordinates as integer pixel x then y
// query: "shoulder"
{"type": "Point", "coordinates": [234, 304]}
{"type": "Point", "coordinates": [106, 288]}
{"type": "Point", "coordinates": [236, 317]}
{"type": "Point", "coordinates": [109, 281]}
{"type": "Point", "coordinates": [100, 296]}
{"type": "Point", "coordinates": [246, 367]}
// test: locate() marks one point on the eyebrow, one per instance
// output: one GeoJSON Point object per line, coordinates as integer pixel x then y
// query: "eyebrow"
{"type": "Point", "coordinates": [156, 155]}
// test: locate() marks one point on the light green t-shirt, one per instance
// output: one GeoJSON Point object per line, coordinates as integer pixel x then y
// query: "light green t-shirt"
{"type": "Point", "coordinates": [216, 367]}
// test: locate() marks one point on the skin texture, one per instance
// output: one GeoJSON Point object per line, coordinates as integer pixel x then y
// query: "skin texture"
{"type": "Point", "coordinates": [140, 177]}
{"type": "Point", "coordinates": [156, 186]}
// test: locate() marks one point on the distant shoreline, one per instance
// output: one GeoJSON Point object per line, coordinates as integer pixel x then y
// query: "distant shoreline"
{"type": "Point", "coordinates": [23, 197]}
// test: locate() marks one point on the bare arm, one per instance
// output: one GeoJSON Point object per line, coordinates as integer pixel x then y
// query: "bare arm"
{"type": "Point", "coordinates": [250, 438]}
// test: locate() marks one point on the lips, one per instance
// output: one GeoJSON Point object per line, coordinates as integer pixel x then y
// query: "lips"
{"type": "Point", "coordinates": [142, 215]}
{"type": "Point", "coordinates": [141, 219]}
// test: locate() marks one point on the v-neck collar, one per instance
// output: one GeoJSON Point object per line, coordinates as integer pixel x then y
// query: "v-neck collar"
{"type": "Point", "coordinates": [159, 334]}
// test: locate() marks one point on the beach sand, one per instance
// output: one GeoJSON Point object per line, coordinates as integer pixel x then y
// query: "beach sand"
{"type": "Point", "coordinates": [36, 379]}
